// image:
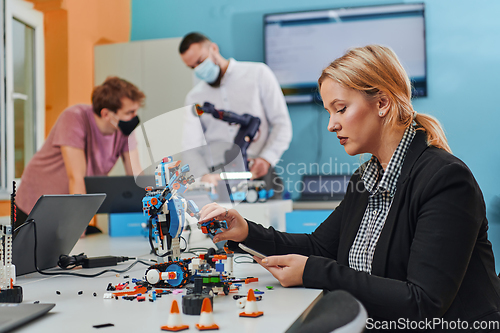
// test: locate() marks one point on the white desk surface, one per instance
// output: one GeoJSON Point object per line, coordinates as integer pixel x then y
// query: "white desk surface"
{"type": "Point", "coordinates": [78, 313]}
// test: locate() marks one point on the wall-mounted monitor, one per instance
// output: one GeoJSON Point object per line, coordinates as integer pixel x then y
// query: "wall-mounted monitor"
{"type": "Point", "coordinates": [299, 45]}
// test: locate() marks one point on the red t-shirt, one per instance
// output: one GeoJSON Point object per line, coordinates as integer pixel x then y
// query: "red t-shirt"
{"type": "Point", "coordinates": [75, 127]}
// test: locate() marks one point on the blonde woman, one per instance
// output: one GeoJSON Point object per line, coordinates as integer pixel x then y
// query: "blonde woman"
{"type": "Point", "coordinates": [409, 239]}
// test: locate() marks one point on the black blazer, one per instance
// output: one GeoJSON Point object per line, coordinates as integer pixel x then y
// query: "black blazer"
{"type": "Point", "coordinates": [433, 258]}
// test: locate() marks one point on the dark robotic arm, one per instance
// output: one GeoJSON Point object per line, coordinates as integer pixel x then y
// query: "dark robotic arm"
{"type": "Point", "coordinates": [249, 126]}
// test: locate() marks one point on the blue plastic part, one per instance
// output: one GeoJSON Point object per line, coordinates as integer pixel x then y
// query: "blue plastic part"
{"type": "Point", "coordinates": [172, 180]}
{"type": "Point", "coordinates": [219, 267]}
{"type": "Point", "coordinates": [180, 274]}
{"type": "Point", "coordinates": [238, 196]}
{"type": "Point", "coordinates": [163, 173]}
{"type": "Point", "coordinates": [270, 193]}
{"type": "Point", "coordinates": [182, 189]}
{"type": "Point", "coordinates": [262, 194]}
{"type": "Point", "coordinates": [126, 224]}
{"type": "Point", "coordinates": [305, 221]}
{"type": "Point", "coordinates": [185, 168]}
{"type": "Point", "coordinates": [174, 218]}
{"type": "Point", "coordinates": [193, 207]}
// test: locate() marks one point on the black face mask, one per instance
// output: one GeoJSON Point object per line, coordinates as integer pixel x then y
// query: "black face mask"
{"type": "Point", "coordinates": [128, 126]}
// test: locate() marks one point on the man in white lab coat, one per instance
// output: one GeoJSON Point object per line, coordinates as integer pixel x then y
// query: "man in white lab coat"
{"type": "Point", "coordinates": [240, 87]}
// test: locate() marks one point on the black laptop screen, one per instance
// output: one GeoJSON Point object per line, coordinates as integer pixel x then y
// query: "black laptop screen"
{"type": "Point", "coordinates": [328, 187]}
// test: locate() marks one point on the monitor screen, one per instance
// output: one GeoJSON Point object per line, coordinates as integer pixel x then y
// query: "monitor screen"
{"type": "Point", "coordinates": [298, 46]}
{"type": "Point", "coordinates": [324, 187]}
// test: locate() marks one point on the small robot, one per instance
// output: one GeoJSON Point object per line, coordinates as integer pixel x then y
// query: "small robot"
{"type": "Point", "coordinates": [166, 209]}
{"type": "Point", "coordinates": [251, 191]}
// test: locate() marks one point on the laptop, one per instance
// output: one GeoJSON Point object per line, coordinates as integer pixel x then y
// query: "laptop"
{"type": "Point", "coordinates": [324, 187]}
{"type": "Point", "coordinates": [124, 193]}
{"type": "Point", "coordinates": [14, 315]}
{"type": "Point", "coordinates": [60, 221]}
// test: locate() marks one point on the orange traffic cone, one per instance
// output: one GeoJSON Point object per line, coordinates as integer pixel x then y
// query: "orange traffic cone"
{"type": "Point", "coordinates": [206, 317]}
{"type": "Point", "coordinates": [174, 323]}
{"type": "Point", "coordinates": [251, 307]}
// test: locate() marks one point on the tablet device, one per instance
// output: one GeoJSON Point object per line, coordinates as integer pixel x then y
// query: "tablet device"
{"type": "Point", "coordinates": [251, 251]}
{"type": "Point", "coordinates": [60, 221]}
{"type": "Point", "coordinates": [15, 315]}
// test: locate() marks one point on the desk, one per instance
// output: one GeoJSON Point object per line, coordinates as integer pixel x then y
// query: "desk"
{"type": "Point", "coordinates": [78, 313]}
{"type": "Point", "coordinates": [271, 213]}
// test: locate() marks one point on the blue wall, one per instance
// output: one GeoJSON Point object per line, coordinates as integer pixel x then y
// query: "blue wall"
{"type": "Point", "coordinates": [463, 51]}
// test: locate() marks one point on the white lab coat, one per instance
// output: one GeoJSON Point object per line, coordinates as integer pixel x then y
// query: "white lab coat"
{"type": "Point", "coordinates": [246, 87]}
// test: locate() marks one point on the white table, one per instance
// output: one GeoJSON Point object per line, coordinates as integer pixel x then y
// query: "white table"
{"type": "Point", "coordinates": [78, 313]}
{"type": "Point", "coordinates": [271, 213]}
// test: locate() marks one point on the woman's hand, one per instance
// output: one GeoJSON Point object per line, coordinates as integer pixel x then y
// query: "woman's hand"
{"type": "Point", "coordinates": [237, 227]}
{"type": "Point", "coordinates": [287, 269]}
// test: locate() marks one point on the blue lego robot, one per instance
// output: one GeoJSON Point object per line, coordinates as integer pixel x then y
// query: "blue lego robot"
{"type": "Point", "coordinates": [166, 209]}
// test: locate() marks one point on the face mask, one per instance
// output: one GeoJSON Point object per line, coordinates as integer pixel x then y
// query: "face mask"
{"type": "Point", "coordinates": [128, 126]}
{"type": "Point", "coordinates": [207, 71]}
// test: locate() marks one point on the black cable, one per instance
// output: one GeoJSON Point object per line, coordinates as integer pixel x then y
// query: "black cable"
{"type": "Point", "coordinates": [24, 224]}
{"type": "Point", "coordinates": [70, 262]}
{"type": "Point", "coordinates": [188, 228]}
{"type": "Point", "coordinates": [73, 274]}
{"type": "Point", "coordinates": [185, 241]}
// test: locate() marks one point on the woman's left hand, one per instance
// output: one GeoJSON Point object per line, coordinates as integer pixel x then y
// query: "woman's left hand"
{"type": "Point", "coordinates": [288, 269]}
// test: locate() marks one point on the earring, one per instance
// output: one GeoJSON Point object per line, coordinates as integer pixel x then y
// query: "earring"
{"type": "Point", "coordinates": [380, 113]}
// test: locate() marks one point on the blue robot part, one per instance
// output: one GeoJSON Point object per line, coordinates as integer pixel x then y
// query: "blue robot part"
{"type": "Point", "coordinates": [180, 274]}
{"type": "Point", "coordinates": [177, 219]}
{"type": "Point", "coordinates": [193, 209]}
{"type": "Point", "coordinates": [166, 208]}
{"type": "Point", "coordinates": [212, 227]}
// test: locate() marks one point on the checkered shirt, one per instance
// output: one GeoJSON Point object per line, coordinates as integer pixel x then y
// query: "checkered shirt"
{"type": "Point", "coordinates": [381, 187]}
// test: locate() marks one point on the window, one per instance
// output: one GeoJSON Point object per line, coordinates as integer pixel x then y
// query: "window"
{"type": "Point", "coordinates": [22, 119]}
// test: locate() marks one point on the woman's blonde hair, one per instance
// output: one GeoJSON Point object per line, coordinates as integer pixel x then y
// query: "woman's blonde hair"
{"type": "Point", "coordinates": [373, 69]}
